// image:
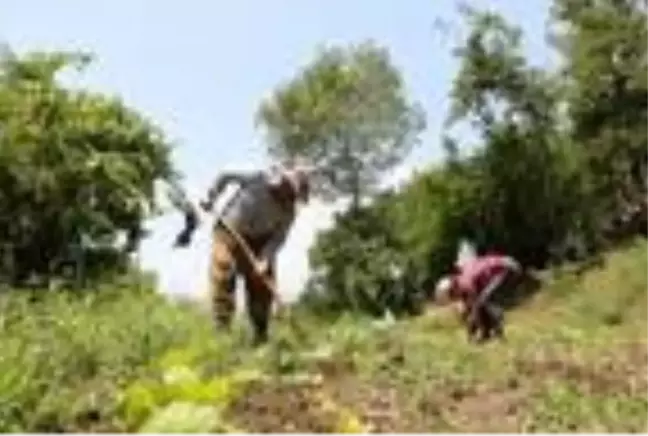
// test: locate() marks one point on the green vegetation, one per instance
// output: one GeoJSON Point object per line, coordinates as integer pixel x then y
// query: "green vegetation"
{"type": "Point", "coordinates": [78, 171]}
{"type": "Point", "coordinates": [537, 184]}
{"type": "Point", "coordinates": [347, 112]}
{"type": "Point", "coordinates": [556, 178]}
{"type": "Point", "coordinates": [118, 360]}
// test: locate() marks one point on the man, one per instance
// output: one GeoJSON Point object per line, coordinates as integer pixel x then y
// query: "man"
{"type": "Point", "coordinates": [474, 284]}
{"type": "Point", "coordinates": [262, 212]}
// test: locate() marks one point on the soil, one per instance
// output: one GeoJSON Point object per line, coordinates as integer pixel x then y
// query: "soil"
{"type": "Point", "coordinates": [385, 405]}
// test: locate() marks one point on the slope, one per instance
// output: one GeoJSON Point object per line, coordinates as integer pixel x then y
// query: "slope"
{"type": "Point", "coordinates": [126, 360]}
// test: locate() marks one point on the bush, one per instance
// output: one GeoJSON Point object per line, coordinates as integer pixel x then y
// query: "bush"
{"type": "Point", "coordinates": [67, 355]}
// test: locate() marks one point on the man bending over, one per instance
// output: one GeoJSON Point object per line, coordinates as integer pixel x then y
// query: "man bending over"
{"type": "Point", "coordinates": [474, 284]}
{"type": "Point", "coordinates": [262, 211]}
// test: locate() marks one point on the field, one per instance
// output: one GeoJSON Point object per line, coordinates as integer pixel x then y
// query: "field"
{"type": "Point", "coordinates": [120, 360]}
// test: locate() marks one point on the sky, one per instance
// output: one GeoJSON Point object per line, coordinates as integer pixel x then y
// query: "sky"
{"type": "Point", "coordinates": [199, 70]}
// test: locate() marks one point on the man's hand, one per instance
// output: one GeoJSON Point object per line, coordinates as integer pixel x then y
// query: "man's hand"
{"type": "Point", "coordinates": [206, 205]}
{"type": "Point", "coordinates": [513, 264]}
{"type": "Point", "coordinates": [182, 240]}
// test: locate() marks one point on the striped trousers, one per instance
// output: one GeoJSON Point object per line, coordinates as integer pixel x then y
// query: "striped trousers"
{"type": "Point", "coordinates": [228, 262]}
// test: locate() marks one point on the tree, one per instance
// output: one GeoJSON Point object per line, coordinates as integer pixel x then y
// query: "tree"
{"type": "Point", "coordinates": [605, 49]}
{"type": "Point", "coordinates": [348, 113]}
{"type": "Point", "coordinates": [558, 153]}
{"type": "Point", "coordinates": [526, 202]}
{"type": "Point", "coordinates": [429, 217]}
{"type": "Point", "coordinates": [77, 170]}
{"type": "Point", "coordinates": [360, 264]}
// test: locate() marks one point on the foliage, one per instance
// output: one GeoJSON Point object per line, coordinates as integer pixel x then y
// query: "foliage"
{"type": "Point", "coordinates": [348, 113]}
{"type": "Point", "coordinates": [539, 184]}
{"type": "Point", "coordinates": [67, 354]}
{"type": "Point", "coordinates": [360, 265]}
{"type": "Point", "coordinates": [428, 216]}
{"type": "Point", "coordinates": [147, 403]}
{"type": "Point", "coordinates": [561, 156]}
{"type": "Point", "coordinates": [181, 417]}
{"type": "Point", "coordinates": [115, 360]}
{"type": "Point", "coordinates": [78, 171]}
{"type": "Point", "coordinates": [604, 47]}
{"type": "Point", "coordinates": [515, 109]}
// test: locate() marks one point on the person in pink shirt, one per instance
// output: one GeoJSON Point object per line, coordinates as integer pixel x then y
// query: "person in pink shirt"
{"type": "Point", "coordinates": [473, 283]}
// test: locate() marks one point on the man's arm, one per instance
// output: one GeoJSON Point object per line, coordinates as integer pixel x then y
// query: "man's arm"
{"type": "Point", "coordinates": [512, 264]}
{"type": "Point", "coordinates": [222, 181]}
{"type": "Point", "coordinates": [271, 248]}
{"type": "Point", "coordinates": [179, 199]}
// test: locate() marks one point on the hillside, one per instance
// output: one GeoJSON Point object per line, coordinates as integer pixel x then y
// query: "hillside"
{"type": "Point", "coordinates": [119, 360]}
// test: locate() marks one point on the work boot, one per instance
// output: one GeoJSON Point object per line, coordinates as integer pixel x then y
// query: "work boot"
{"type": "Point", "coordinates": [260, 334]}
{"type": "Point", "coordinates": [222, 324]}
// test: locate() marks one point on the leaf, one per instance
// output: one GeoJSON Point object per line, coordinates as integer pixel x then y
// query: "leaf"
{"type": "Point", "coordinates": [185, 417]}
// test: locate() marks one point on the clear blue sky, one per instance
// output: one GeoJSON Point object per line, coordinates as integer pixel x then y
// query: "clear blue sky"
{"type": "Point", "coordinates": [200, 68]}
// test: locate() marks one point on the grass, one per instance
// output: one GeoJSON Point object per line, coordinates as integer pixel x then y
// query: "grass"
{"type": "Point", "coordinates": [123, 360]}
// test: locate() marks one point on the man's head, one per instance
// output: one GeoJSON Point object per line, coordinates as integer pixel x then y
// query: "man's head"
{"type": "Point", "coordinates": [298, 180]}
{"type": "Point", "coordinates": [293, 181]}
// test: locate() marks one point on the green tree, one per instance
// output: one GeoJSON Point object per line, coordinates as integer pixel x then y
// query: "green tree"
{"type": "Point", "coordinates": [429, 217]}
{"type": "Point", "coordinates": [604, 46]}
{"type": "Point", "coordinates": [77, 171]}
{"type": "Point", "coordinates": [526, 200]}
{"type": "Point", "coordinates": [558, 155]}
{"type": "Point", "coordinates": [348, 113]}
{"type": "Point", "coordinates": [355, 259]}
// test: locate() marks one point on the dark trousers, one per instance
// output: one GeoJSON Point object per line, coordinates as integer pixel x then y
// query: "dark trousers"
{"type": "Point", "coordinates": [483, 317]}
{"type": "Point", "coordinates": [486, 322]}
{"type": "Point", "coordinates": [228, 262]}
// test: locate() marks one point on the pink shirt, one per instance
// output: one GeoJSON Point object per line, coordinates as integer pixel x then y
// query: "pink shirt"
{"type": "Point", "coordinates": [477, 273]}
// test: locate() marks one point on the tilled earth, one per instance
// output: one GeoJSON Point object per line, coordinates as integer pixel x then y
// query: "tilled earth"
{"type": "Point", "coordinates": [386, 402]}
